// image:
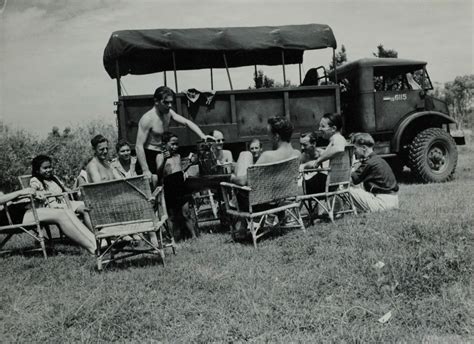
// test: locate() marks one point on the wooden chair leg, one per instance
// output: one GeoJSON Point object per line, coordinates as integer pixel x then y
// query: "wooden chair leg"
{"type": "Point", "coordinates": [253, 232]}
{"type": "Point", "coordinates": [99, 263]}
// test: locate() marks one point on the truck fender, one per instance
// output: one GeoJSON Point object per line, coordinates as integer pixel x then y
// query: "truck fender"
{"type": "Point", "coordinates": [436, 117]}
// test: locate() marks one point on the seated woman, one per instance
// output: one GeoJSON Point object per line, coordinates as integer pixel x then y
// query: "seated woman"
{"type": "Point", "coordinates": [125, 164]}
{"type": "Point", "coordinates": [223, 156]}
{"type": "Point", "coordinates": [71, 226]}
{"type": "Point", "coordinates": [43, 181]}
{"type": "Point", "coordinates": [174, 186]}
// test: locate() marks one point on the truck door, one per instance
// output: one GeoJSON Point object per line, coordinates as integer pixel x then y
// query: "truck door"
{"type": "Point", "coordinates": [395, 96]}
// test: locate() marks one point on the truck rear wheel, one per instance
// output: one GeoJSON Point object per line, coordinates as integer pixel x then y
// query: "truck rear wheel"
{"type": "Point", "coordinates": [433, 156]}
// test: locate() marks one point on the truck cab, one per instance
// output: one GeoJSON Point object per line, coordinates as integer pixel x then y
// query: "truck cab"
{"type": "Point", "coordinates": [388, 98]}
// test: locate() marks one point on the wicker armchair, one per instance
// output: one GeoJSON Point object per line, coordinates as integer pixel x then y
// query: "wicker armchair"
{"type": "Point", "coordinates": [33, 229]}
{"type": "Point", "coordinates": [121, 209]}
{"type": "Point", "coordinates": [273, 185]}
{"type": "Point", "coordinates": [337, 187]}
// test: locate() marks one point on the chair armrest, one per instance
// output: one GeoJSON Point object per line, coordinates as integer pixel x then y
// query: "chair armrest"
{"type": "Point", "coordinates": [21, 199]}
{"type": "Point", "coordinates": [235, 186]}
{"type": "Point", "coordinates": [319, 169]}
{"type": "Point", "coordinates": [157, 191]}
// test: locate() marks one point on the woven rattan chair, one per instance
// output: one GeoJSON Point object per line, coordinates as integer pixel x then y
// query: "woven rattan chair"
{"type": "Point", "coordinates": [121, 209]}
{"type": "Point", "coordinates": [337, 187]}
{"type": "Point", "coordinates": [273, 185]}
{"type": "Point", "coordinates": [33, 229]}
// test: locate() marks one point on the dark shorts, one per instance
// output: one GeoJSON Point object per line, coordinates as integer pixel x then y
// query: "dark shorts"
{"type": "Point", "coordinates": [175, 190]}
{"type": "Point", "coordinates": [150, 156]}
{"type": "Point", "coordinates": [316, 184]}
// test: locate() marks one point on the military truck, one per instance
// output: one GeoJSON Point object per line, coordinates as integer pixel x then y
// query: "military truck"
{"type": "Point", "coordinates": [385, 97]}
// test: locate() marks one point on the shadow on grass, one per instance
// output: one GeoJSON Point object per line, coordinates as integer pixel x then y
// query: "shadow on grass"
{"type": "Point", "coordinates": [142, 261]}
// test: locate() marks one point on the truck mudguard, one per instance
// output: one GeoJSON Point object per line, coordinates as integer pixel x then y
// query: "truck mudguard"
{"type": "Point", "coordinates": [436, 117]}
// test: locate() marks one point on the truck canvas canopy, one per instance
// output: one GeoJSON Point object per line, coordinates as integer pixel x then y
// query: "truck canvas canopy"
{"type": "Point", "coordinates": [150, 51]}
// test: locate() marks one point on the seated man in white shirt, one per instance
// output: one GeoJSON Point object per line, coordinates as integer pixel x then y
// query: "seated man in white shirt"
{"type": "Point", "coordinates": [330, 127]}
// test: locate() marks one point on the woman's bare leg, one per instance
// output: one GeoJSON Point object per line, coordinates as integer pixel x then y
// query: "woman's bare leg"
{"type": "Point", "coordinates": [69, 223]}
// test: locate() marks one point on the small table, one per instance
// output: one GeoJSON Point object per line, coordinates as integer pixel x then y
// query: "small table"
{"type": "Point", "coordinates": [211, 183]}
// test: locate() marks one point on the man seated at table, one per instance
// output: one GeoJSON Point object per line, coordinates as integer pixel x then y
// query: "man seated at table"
{"type": "Point", "coordinates": [250, 157]}
{"type": "Point", "coordinates": [309, 152]}
{"type": "Point", "coordinates": [376, 176]}
{"type": "Point", "coordinates": [330, 127]}
{"type": "Point", "coordinates": [223, 156]}
{"type": "Point", "coordinates": [256, 149]}
{"type": "Point", "coordinates": [279, 130]}
{"type": "Point", "coordinates": [98, 169]}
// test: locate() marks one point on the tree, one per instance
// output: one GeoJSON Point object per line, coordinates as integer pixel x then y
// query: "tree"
{"type": "Point", "coordinates": [262, 81]}
{"type": "Point", "coordinates": [341, 57]}
{"type": "Point", "coordinates": [382, 52]}
{"type": "Point", "coordinates": [458, 95]}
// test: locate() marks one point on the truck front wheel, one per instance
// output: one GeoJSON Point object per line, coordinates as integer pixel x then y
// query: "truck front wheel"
{"type": "Point", "coordinates": [433, 156]}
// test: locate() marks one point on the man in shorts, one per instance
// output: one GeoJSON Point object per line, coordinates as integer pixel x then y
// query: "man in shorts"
{"type": "Point", "coordinates": [152, 126]}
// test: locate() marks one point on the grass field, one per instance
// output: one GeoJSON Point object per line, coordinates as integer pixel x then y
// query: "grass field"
{"type": "Point", "coordinates": [318, 286]}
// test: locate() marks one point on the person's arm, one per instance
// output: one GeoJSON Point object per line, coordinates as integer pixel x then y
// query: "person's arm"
{"type": "Point", "coordinates": [335, 147]}
{"type": "Point", "coordinates": [4, 198]}
{"type": "Point", "coordinates": [229, 157]}
{"type": "Point", "coordinates": [243, 162]}
{"type": "Point", "coordinates": [93, 173]}
{"type": "Point", "coordinates": [160, 167]}
{"type": "Point", "coordinates": [142, 135]}
{"type": "Point", "coordinates": [191, 125]}
{"type": "Point", "coordinates": [360, 173]}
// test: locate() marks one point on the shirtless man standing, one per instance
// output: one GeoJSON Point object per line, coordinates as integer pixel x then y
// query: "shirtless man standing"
{"type": "Point", "coordinates": [98, 169]}
{"type": "Point", "coordinates": [152, 126]}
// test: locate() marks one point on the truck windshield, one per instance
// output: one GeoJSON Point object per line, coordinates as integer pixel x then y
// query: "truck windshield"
{"type": "Point", "coordinates": [390, 80]}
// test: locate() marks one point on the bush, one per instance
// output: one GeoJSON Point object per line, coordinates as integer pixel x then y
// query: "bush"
{"type": "Point", "coordinates": [68, 150]}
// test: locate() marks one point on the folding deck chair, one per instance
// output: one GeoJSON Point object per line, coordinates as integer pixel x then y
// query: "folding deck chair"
{"type": "Point", "coordinates": [66, 196]}
{"type": "Point", "coordinates": [33, 229]}
{"type": "Point", "coordinates": [337, 187]}
{"type": "Point", "coordinates": [124, 208]}
{"type": "Point", "coordinates": [273, 185]}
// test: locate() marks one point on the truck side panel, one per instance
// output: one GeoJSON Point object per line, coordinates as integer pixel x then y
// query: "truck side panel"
{"type": "Point", "coordinates": [240, 115]}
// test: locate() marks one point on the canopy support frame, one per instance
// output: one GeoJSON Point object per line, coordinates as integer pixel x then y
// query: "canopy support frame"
{"type": "Point", "coordinates": [228, 73]}
{"type": "Point", "coordinates": [283, 65]}
{"type": "Point", "coordinates": [117, 70]}
{"type": "Point", "coordinates": [299, 72]}
{"type": "Point", "coordinates": [174, 71]}
{"type": "Point", "coordinates": [212, 80]}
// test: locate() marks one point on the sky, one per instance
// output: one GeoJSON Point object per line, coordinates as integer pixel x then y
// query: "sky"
{"type": "Point", "coordinates": [51, 71]}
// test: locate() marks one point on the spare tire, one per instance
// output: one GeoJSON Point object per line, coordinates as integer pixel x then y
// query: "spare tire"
{"type": "Point", "coordinates": [433, 156]}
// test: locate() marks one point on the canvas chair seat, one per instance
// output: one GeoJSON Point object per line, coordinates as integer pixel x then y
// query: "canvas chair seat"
{"type": "Point", "coordinates": [273, 185]}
